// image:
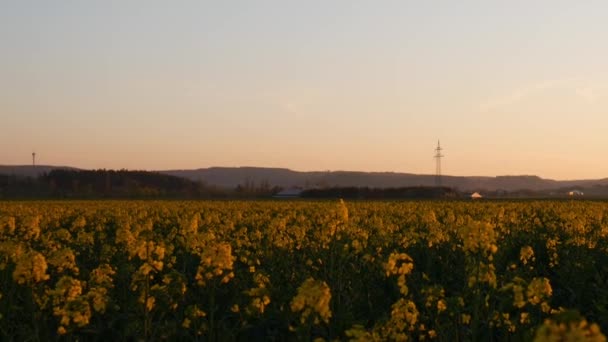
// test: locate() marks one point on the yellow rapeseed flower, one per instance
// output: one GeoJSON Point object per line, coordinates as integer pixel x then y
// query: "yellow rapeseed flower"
{"type": "Point", "coordinates": [312, 300]}
{"type": "Point", "coordinates": [569, 332]}
{"type": "Point", "coordinates": [526, 254]}
{"type": "Point", "coordinates": [539, 289]}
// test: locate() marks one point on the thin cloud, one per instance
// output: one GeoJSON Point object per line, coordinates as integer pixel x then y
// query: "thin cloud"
{"type": "Point", "coordinates": [520, 94]}
{"type": "Point", "coordinates": [586, 93]}
{"type": "Point", "coordinates": [578, 88]}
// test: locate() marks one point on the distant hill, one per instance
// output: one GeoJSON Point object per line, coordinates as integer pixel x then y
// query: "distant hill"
{"type": "Point", "coordinates": [231, 177]}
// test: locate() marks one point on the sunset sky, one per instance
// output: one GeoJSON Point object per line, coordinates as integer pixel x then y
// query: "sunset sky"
{"type": "Point", "coordinates": [509, 87]}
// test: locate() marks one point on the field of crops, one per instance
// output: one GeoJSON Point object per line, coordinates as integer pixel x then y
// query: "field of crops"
{"type": "Point", "coordinates": [448, 271]}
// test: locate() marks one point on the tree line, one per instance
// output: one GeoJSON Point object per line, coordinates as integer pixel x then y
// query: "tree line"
{"type": "Point", "coordinates": [103, 183]}
{"type": "Point", "coordinates": [415, 192]}
{"type": "Point", "coordinates": [125, 184]}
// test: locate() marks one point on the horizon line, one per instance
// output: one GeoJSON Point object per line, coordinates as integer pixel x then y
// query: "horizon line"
{"type": "Point", "coordinates": [300, 171]}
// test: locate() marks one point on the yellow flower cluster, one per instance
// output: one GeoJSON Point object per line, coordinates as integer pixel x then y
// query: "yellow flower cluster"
{"type": "Point", "coordinates": [435, 296]}
{"type": "Point", "coordinates": [552, 331]}
{"type": "Point", "coordinates": [193, 314]}
{"type": "Point", "coordinates": [343, 211]}
{"type": "Point", "coordinates": [479, 237]}
{"type": "Point", "coordinates": [189, 227]}
{"type": "Point", "coordinates": [30, 230]}
{"type": "Point", "coordinates": [69, 303]}
{"type": "Point", "coordinates": [64, 260]}
{"type": "Point", "coordinates": [552, 245]}
{"type": "Point", "coordinates": [100, 281]}
{"type": "Point", "coordinates": [30, 268]}
{"type": "Point", "coordinates": [519, 299]}
{"type": "Point", "coordinates": [259, 295]}
{"type": "Point", "coordinates": [312, 300]}
{"type": "Point", "coordinates": [404, 316]}
{"type": "Point", "coordinates": [153, 254]}
{"type": "Point", "coordinates": [8, 224]}
{"type": "Point", "coordinates": [358, 333]}
{"type": "Point", "coordinates": [399, 264]}
{"type": "Point", "coordinates": [216, 261]}
{"type": "Point", "coordinates": [526, 254]}
{"type": "Point", "coordinates": [481, 273]}
{"type": "Point", "coordinates": [539, 290]}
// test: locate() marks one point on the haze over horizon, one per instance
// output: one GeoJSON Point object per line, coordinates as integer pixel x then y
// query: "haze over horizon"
{"type": "Point", "coordinates": [517, 88]}
{"type": "Point", "coordinates": [4, 168]}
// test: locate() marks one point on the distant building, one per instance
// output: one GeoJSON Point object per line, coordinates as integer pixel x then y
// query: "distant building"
{"type": "Point", "coordinates": [574, 193]}
{"type": "Point", "coordinates": [476, 195]}
{"type": "Point", "coordinates": [289, 193]}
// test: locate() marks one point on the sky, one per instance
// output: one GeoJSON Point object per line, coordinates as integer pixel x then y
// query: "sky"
{"type": "Point", "coordinates": [509, 87]}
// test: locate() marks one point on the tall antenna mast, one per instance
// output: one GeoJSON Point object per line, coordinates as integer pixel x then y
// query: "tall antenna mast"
{"type": "Point", "coordinates": [34, 159]}
{"type": "Point", "coordinates": [438, 157]}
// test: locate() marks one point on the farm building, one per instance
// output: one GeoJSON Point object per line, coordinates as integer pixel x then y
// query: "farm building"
{"type": "Point", "coordinates": [574, 193]}
{"type": "Point", "coordinates": [476, 195]}
{"type": "Point", "coordinates": [289, 193]}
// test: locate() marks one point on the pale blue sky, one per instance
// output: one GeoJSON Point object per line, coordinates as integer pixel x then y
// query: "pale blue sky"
{"type": "Point", "coordinates": [510, 87]}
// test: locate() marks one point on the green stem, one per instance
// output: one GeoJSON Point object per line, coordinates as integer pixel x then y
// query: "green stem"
{"type": "Point", "coordinates": [212, 313]}
{"type": "Point", "coordinates": [146, 294]}
{"type": "Point", "coordinates": [36, 331]}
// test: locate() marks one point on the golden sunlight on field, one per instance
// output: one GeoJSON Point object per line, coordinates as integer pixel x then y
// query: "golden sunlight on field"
{"type": "Point", "coordinates": [303, 270]}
